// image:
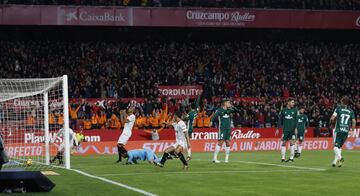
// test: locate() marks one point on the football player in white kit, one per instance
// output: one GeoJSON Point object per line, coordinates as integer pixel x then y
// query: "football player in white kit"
{"type": "Point", "coordinates": [61, 148]}
{"type": "Point", "coordinates": [129, 120]}
{"type": "Point", "coordinates": [182, 142]}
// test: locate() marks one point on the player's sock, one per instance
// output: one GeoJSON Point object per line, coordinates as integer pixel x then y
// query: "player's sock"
{"type": "Point", "coordinates": [217, 150]}
{"type": "Point", "coordinates": [300, 148]}
{"type": "Point", "coordinates": [296, 147]}
{"type": "Point", "coordinates": [60, 157]}
{"type": "Point", "coordinates": [292, 151]}
{"type": "Point", "coordinates": [227, 153]}
{"type": "Point", "coordinates": [182, 158]}
{"type": "Point", "coordinates": [283, 152]}
{"type": "Point", "coordinates": [119, 152]}
{"type": "Point", "coordinates": [189, 152]}
{"type": "Point", "coordinates": [164, 158]}
{"type": "Point", "coordinates": [340, 153]}
{"type": "Point", "coordinates": [336, 152]}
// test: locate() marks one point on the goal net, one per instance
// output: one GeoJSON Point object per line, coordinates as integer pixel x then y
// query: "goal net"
{"type": "Point", "coordinates": [32, 111]}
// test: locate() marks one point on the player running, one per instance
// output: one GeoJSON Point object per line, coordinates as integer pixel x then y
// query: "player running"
{"type": "Point", "coordinates": [73, 142]}
{"type": "Point", "coordinates": [129, 120]}
{"type": "Point", "coordinates": [288, 121]}
{"type": "Point", "coordinates": [140, 155]}
{"type": "Point", "coordinates": [302, 125]}
{"type": "Point", "coordinates": [182, 142]}
{"type": "Point", "coordinates": [223, 114]}
{"type": "Point", "coordinates": [342, 116]}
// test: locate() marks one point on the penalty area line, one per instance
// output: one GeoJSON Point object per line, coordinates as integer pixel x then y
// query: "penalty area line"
{"type": "Point", "coordinates": [115, 183]}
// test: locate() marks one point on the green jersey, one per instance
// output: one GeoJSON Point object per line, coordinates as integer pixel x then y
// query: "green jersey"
{"type": "Point", "coordinates": [302, 123]}
{"type": "Point", "coordinates": [344, 118]}
{"type": "Point", "coordinates": [191, 119]}
{"type": "Point", "coordinates": [224, 118]}
{"type": "Point", "coordinates": [288, 119]}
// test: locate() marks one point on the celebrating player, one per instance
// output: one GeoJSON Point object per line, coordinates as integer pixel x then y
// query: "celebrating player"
{"type": "Point", "coordinates": [342, 116]}
{"type": "Point", "coordinates": [140, 154]}
{"type": "Point", "coordinates": [302, 124]}
{"type": "Point", "coordinates": [73, 142]}
{"type": "Point", "coordinates": [190, 118]}
{"type": "Point", "coordinates": [129, 120]}
{"type": "Point", "coordinates": [223, 114]}
{"type": "Point", "coordinates": [288, 121]}
{"type": "Point", "coordinates": [182, 141]}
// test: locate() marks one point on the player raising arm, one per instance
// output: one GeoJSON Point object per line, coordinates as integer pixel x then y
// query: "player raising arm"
{"type": "Point", "coordinates": [343, 116]}
{"type": "Point", "coordinates": [129, 120]}
{"type": "Point", "coordinates": [223, 114]}
{"type": "Point", "coordinates": [288, 121]}
{"type": "Point", "coordinates": [182, 142]}
{"type": "Point", "coordinates": [190, 119]}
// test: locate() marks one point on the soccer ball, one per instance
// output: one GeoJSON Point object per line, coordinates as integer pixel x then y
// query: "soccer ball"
{"type": "Point", "coordinates": [29, 162]}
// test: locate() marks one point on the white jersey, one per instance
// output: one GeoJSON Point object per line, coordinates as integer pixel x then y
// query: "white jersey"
{"type": "Point", "coordinates": [180, 131]}
{"type": "Point", "coordinates": [126, 134]}
{"type": "Point", "coordinates": [129, 125]}
{"type": "Point", "coordinates": [72, 139]}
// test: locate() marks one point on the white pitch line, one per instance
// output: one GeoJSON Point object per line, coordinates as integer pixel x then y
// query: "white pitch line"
{"type": "Point", "coordinates": [114, 183]}
{"type": "Point", "coordinates": [277, 165]}
{"type": "Point", "coordinates": [271, 164]}
{"type": "Point", "coordinates": [204, 172]}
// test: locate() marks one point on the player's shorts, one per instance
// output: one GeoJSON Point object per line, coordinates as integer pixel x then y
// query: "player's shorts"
{"type": "Point", "coordinates": [123, 139]}
{"type": "Point", "coordinates": [180, 143]}
{"type": "Point", "coordinates": [224, 134]}
{"type": "Point", "coordinates": [300, 136]}
{"type": "Point", "coordinates": [286, 136]}
{"type": "Point", "coordinates": [61, 147]}
{"type": "Point", "coordinates": [340, 138]}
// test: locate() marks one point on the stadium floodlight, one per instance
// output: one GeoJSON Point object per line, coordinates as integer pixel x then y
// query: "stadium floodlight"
{"type": "Point", "coordinates": [32, 111]}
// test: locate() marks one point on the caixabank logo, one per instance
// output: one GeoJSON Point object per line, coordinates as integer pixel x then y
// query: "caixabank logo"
{"type": "Point", "coordinates": [94, 17]}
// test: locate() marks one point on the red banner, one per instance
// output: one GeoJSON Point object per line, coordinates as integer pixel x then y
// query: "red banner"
{"type": "Point", "coordinates": [180, 91]}
{"type": "Point", "coordinates": [238, 145]}
{"type": "Point", "coordinates": [179, 17]}
{"type": "Point", "coordinates": [209, 145]}
{"type": "Point", "coordinates": [30, 137]}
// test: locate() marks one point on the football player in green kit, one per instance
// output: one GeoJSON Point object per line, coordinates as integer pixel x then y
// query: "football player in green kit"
{"type": "Point", "coordinates": [343, 117]}
{"type": "Point", "coordinates": [302, 125]}
{"type": "Point", "coordinates": [190, 119]}
{"type": "Point", "coordinates": [223, 114]}
{"type": "Point", "coordinates": [288, 121]}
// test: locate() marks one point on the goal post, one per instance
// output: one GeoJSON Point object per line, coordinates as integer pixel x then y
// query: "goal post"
{"type": "Point", "coordinates": [32, 113]}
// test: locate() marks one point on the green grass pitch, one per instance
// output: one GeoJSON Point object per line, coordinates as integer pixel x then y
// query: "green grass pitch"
{"type": "Point", "coordinates": [265, 175]}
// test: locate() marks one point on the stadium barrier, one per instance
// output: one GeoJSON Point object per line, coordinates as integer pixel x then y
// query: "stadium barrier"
{"type": "Point", "coordinates": [238, 145]}
{"type": "Point", "coordinates": [104, 135]}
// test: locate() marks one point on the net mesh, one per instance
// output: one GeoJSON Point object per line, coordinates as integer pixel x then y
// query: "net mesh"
{"type": "Point", "coordinates": [23, 123]}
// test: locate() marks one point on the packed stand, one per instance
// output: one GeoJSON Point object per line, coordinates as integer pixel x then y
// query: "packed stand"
{"type": "Point", "coordinates": [284, 4]}
{"type": "Point", "coordinates": [315, 73]}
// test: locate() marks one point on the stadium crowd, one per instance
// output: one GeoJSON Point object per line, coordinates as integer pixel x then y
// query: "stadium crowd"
{"type": "Point", "coordinates": [283, 4]}
{"type": "Point", "coordinates": [316, 74]}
